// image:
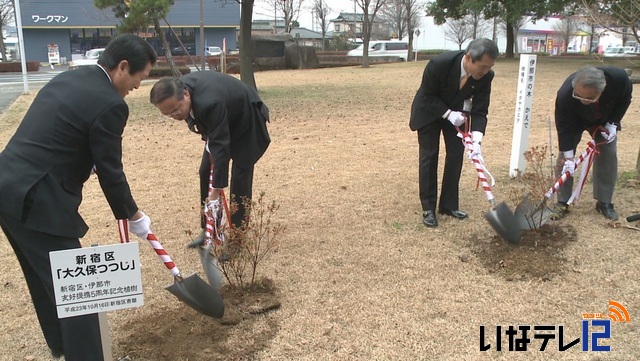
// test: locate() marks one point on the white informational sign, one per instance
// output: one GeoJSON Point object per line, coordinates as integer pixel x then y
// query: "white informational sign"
{"type": "Point", "coordinates": [522, 120]}
{"type": "Point", "coordinates": [96, 279]}
{"type": "Point", "coordinates": [54, 54]}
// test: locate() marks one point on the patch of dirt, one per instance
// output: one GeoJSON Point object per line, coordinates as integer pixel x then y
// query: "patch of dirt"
{"type": "Point", "coordinates": [188, 335]}
{"type": "Point", "coordinates": [539, 256]}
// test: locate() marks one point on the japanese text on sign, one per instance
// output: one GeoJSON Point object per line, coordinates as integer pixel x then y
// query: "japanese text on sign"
{"type": "Point", "coordinates": [96, 279]}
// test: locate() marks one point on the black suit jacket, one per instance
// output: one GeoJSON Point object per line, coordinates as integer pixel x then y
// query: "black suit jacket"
{"type": "Point", "coordinates": [75, 121]}
{"type": "Point", "coordinates": [573, 117]}
{"type": "Point", "coordinates": [231, 117]}
{"type": "Point", "coordinates": [440, 91]}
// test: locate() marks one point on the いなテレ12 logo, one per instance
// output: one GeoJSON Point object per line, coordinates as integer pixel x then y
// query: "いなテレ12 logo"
{"type": "Point", "coordinates": [595, 328]}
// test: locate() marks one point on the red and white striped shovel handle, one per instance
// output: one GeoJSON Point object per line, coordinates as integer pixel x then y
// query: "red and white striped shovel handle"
{"type": "Point", "coordinates": [211, 232]}
{"type": "Point", "coordinates": [477, 162]}
{"type": "Point", "coordinates": [123, 229]}
{"type": "Point", "coordinates": [591, 147]}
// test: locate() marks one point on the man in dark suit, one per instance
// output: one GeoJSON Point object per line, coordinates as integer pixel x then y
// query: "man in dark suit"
{"type": "Point", "coordinates": [588, 99]}
{"type": "Point", "coordinates": [231, 119]}
{"type": "Point", "coordinates": [74, 125]}
{"type": "Point", "coordinates": [455, 86]}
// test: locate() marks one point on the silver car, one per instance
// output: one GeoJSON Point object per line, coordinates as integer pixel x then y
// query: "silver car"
{"type": "Point", "coordinates": [89, 58]}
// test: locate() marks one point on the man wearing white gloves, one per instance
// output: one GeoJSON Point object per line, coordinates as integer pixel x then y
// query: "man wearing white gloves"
{"type": "Point", "coordinates": [592, 99]}
{"type": "Point", "coordinates": [75, 124]}
{"type": "Point", "coordinates": [232, 120]}
{"type": "Point", "coordinates": [456, 86]}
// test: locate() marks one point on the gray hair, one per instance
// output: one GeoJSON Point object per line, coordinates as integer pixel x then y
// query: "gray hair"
{"type": "Point", "coordinates": [477, 48]}
{"type": "Point", "coordinates": [590, 77]}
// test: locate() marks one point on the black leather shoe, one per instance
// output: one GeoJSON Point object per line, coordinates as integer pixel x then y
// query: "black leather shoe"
{"type": "Point", "coordinates": [455, 214]}
{"type": "Point", "coordinates": [607, 210]}
{"type": "Point", "coordinates": [197, 242]}
{"type": "Point", "coordinates": [429, 219]}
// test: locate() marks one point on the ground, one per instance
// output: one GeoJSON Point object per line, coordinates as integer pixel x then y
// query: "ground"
{"type": "Point", "coordinates": [357, 276]}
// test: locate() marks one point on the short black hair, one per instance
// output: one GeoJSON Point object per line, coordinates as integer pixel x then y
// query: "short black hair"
{"type": "Point", "coordinates": [166, 88]}
{"type": "Point", "coordinates": [131, 48]}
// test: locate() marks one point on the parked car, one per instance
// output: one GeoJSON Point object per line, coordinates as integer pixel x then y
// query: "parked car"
{"type": "Point", "coordinates": [214, 51]}
{"type": "Point", "coordinates": [89, 58]}
{"type": "Point", "coordinates": [617, 51]}
{"type": "Point", "coordinates": [179, 50]}
{"type": "Point", "coordinates": [393, 48]}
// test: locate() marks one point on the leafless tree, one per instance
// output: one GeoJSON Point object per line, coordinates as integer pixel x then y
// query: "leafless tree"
{"type": "Point", "coordinates": [246, 50]}
{"type": "Point", "coordinates": [413, 10]}
{"type": "Point", "coordinates": [6, 17]}
{"type": "Point", "coordinates": [459, 30]}
{"type": "Point", "coordinates": [321, 12]}
{"type": "Point", "coordinates": [479, 24]}
{"type": "Point", "coordinates": [369, 9]}
{"type": "Point", "coordinates": [622, 17]}
{"type": "Point", "coordinates": [567, 28]}
{"type": "Point", "coordinates": [290, 10]}
{"type": "Point", "coordinates": [394, 13]}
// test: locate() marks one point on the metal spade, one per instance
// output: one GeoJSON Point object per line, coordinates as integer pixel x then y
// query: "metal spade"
{"type": "Point", "coordinates": [530, 215]}
{"type": "Point", "coordinates": [503, 222]}
{"type": "Point", "coordinates": [210, 266]}
{"type": "Point", "coordinates": [191, 290]}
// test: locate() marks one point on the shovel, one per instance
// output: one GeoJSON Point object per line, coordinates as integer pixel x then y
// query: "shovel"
{"type": "Point", "coordinates": [191, 290]}
{"type": "Point", "coordinates": [214, 235]}
{"type": "Point", "coordinates": [533, 216]}
{"type": "Point", "coordinates": [499, 215]}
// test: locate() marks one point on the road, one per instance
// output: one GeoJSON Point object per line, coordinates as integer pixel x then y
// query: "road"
{"type": "Point", "coordinates": [11, 85]}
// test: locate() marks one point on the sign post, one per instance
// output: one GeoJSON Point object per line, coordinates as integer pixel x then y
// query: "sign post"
{"type": "Point", "coordinates": [97, 279]}
{"type": "Point", "coordinates": [54, 54]}
{"type": "Point", "coordinates": [522, 119]}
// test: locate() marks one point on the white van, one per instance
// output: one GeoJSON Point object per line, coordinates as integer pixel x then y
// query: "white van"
{"type": "Point", "coordinates": [396, 48]}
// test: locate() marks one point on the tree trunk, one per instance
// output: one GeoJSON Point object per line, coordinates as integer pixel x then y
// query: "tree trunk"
{"type": "Point", "coordinates": [638, 166]}
{"type": "Point", "coordinates": [509, 49]}
{"type": "Point", "coordinates": [3, 50]}
{"type": "Point", "coordinates": [410, 55]}
{"type": "Point", "coordinates": [246, 47]}
{"type": "Point", "coordinates": [167, 50]}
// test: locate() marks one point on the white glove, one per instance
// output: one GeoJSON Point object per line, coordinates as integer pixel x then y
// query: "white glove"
{"type": "Point", "coordinates": [213, 207]}
{"type": "Point", "coordinates": [569, 166]}
{"type": "Point", "coordinates": [141, 227]}
{"type": "Point", "coordinates": [611, 135]}
{"type": "Point", "coordinates": [456, 118]}
{"type": "Point", "coordinates": [477, 144]}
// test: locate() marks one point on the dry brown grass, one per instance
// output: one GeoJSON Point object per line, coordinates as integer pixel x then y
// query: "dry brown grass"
{"type": "Point", "coordinates": [358, 275]}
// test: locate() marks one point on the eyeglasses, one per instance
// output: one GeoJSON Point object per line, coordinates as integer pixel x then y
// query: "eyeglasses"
{"type": "Point", "coordinates": [586, 100]}
{"type": "Point", "coordinates": [177, 111]}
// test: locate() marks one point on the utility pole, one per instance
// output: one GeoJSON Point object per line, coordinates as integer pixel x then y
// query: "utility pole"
{"type": "Point", "coordinates": [204, 51]}
{"type": "Point", "coordinates": [355, 24]}
{"type": "Point", "coordinates": [23, 55]}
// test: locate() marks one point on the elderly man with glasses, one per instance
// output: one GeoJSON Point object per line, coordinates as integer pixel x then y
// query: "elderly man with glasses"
{"type": "Point", "coordinates": [595, 100]}
{"type": "Point", "coordinates": [231, 118]}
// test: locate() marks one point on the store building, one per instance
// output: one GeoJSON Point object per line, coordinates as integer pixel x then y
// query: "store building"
{"type": "Point", "coordinates": [76, 26]}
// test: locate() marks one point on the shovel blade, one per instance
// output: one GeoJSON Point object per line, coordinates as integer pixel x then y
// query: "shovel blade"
{"type": "Point", "coordinates": [198, 295]}
{"type": "Point", "coordinates": [210, 266]}
{"type": "Point", "coordinates": [504, 223]}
